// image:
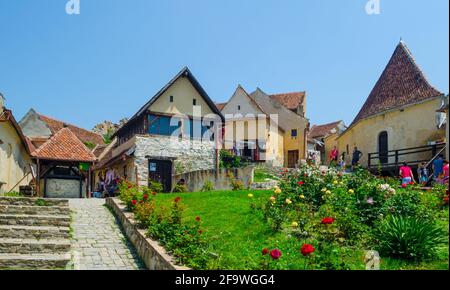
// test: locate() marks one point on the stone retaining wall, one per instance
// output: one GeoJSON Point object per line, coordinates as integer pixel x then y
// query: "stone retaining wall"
{"type": "Point", "coordinates": [152, 254]}
{"type": "Point", "coordinates": [220, 180]}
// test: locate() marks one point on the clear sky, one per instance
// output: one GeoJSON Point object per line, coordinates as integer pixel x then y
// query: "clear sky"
{"type": "Point", "coordinates": [108, 61]}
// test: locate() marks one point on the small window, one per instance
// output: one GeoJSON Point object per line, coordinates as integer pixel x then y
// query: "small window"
{"type": "Point", "coordinates": [348, 150]}
{"type": "Point", "coordinates": [294, 133]}
{"type": "Point", "coordinates": [239, 108]}
{"type": "Point", "coordinates": [194, 102]}
{"type": "Point", "coordinates": [152, 167]}
{"type": "Point", "coordinates": [171, 99]}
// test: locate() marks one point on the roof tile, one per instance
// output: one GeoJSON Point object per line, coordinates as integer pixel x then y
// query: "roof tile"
{"type": "Point", "coordinates": [65, 146]}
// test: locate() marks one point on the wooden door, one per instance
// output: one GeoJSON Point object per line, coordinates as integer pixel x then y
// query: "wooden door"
{"type": "Point", "coordinates": [293, 158]}
{"type": "Point", "coordinates": [161, 171]}
{"type": "Point", "coordinates": [383, 147]}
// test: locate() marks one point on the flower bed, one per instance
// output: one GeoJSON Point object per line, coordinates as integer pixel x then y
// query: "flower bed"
{"type": "Point", "coordinates": [313, 220]}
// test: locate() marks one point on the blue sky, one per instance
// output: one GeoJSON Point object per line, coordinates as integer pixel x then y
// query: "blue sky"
{"type": "Point", "coordinates": [108, 61]}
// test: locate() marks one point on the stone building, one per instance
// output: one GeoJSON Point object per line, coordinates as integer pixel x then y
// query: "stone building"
{"type": "Point", "coordinates": [15, 161]}
{"type": "Point", "coordinates": [400, 113]}
{"type": "Point", "coordinates": [177, 131]}
{"type": "Point", "coordinates": [266, 128]}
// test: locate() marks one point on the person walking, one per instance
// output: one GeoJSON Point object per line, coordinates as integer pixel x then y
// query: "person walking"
{"type": "Point", "coordinates": [406, 174]}
{"type": "Point", "coordinates": [356, 156]}
{"type": "Point", "coordinates": [438, 167]}
{"type": "Point", "coordinates": [334, 155]}
{"type": "Point", "coordinates": [422, 172]}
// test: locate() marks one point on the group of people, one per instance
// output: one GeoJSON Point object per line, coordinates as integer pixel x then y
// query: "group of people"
{"type": "Point", "coordinates": [108, 184]}
{"type": "Point", "coordinates": [440, 172]}
{"type": "Point", "coordinates": [339, 160]}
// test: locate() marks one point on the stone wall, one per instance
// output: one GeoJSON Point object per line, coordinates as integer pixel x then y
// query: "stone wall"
{"type": "Point", "coordinates": [154, 256]}
{"type": "Point", "coordinates": [221, 180]}
{"type": "Point", "coordinates": [188, 155]}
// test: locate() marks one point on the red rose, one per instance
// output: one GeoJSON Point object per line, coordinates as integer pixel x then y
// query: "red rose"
{"type": "Point", "coordinates": [134, 202]}
{"type": "Point", "coordinates": [177, 199]}
{"type": "Point", "coordinates": [197, 218]}
{"type": "Point", "coordinates": [145, 196]}
{"type": "Point", "coordinates": [300, 183]}
{"type": "Point", "coordinates": [328, 221]}
{"type": "Point", "coordinates": [275, 254]}
{"type": "Point", "coordinates": [411, 183]}
{"type": "Point", "coordinates": [404, 185]}
{"type": "Point", "coordinates": [307, 249]}
{"type": "Point", "coordinates": [265, 251]}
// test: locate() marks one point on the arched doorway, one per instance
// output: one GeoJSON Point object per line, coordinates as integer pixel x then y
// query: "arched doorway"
{"type": "Point", "coordinates": [383, 147]}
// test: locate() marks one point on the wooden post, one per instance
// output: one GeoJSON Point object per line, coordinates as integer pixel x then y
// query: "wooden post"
{"type": "Point", "coordinates": [38, 178]}
{"type": "Point", "coordinates": [396, 161]}
{"type": "Point", "coordinates": [88, 185]}
{"type": "Point", "coordinates": [369, 162]}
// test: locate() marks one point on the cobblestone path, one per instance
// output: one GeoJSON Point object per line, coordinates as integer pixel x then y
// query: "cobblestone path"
{"type": "Point", "coordinates": [97, 240]}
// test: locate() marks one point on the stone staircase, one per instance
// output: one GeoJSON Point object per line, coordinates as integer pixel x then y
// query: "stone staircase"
{"type": "Point", "coordinates": [34, 233]}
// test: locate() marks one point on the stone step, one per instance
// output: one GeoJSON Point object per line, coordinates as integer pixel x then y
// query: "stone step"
{"type": "Point", "coordinates": [33, 232]}
{"type": "Point", "coordinates": [33, 201]}
{"type": "Point", "coordinates": [34, 210]}
{"type": "Point", "coordinates": [35, 220]}
{"type": "Point", "coordinates": [34, 261]}
{"type": "Point", "coordinates": [29, 246]}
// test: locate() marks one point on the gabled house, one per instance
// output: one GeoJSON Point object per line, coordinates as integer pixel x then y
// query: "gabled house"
{"type": "Point", "coordinates": [400, 113]}
{"type": "Point", "coordinates": [177, 131]}
{"type": "Point", "coordinates": [322, 138]}
{"type": "Point", "coordinates": [63, 154]}
{"type": "Point", "coordinates": [274, 127]}
{"type": "Point", "coordinates": [15, 161]}
{"type": "Point", "coordinates": [249, 131]}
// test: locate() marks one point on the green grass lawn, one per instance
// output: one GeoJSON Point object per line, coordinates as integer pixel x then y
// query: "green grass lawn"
{"type": "Point", "coordinates": [237, 234]}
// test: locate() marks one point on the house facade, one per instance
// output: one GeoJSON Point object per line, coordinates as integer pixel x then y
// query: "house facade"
{"type": "Point", "coordinates": [248, 130]}
{"type": "Point", "coordinates": [179, 130]}
{"type": "Point", "coordinates": [15, 160]}
{"type": "Point", "coordinates": [399, 113]}
{"type": "Point", "coordinates": [266, 128]}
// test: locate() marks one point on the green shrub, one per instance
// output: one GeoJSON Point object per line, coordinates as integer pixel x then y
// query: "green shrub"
{"type": "Point", "coordinates": [207, 186]}
{"type": "Point", "coordinates": [237, 185]}
{"type": "Point", "coordinates": [156, 186]}
{"type": "Point", "coordinates": [409, 238]}
{"type": "Point", "coordinates": [180, 188]}
{"type": "Point", "coordinates": [228, 160]}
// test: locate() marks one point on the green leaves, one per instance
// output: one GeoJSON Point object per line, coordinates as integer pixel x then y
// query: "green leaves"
{"type": "Point", "coordinates": [409, 238]}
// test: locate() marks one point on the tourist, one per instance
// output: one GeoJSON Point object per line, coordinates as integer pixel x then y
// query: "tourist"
{"type": "Point", "coordinates": [422, 172]}
{"type": "Point", "coordinates": [445, 169]}
{"type": "Point", "coordinates": [334, 154]}
{"type": "Point", "coordinates": [406, 174]}
{"type": "Point", "coordinates": [356, 156]}
{"type": "Point", "coordinates": [438, 167]}
{"type": "Point", "coordinates": [342, 162]}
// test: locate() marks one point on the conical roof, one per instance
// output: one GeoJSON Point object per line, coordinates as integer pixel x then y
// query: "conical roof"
{"type": "Point", "coordinates": [402, 83]}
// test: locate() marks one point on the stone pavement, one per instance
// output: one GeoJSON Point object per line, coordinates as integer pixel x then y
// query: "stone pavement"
{"type": "Point", "coordinates": [97, 240]}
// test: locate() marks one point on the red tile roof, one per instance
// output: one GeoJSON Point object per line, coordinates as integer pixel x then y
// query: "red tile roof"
{"type": "Point", "coordinates": [220, 106]}
{"type": "Point", "coordinates": [82, 134]}
{"type": "Point", "coordinates": [64, 146]}
{"type": "Point", "coordinates": [320, 131]}
{"type": "Point", "coordinates": [290, 100]}
{"type": "Point", "coordinates": [402, 83]}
